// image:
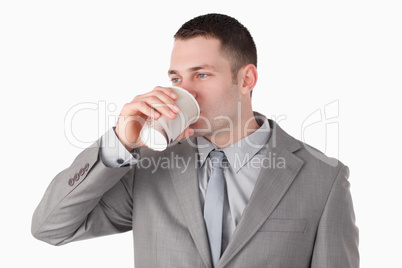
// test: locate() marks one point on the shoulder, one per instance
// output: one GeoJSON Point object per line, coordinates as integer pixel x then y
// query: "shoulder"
{"type": "Point", "coordinates": [315, 162]}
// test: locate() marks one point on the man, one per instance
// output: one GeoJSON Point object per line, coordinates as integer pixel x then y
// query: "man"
{"type": "Point", "coordinates": [236, 192]}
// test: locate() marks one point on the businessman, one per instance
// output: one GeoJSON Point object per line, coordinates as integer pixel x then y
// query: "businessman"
{"type": "Point", "coordinates": [235, 190]}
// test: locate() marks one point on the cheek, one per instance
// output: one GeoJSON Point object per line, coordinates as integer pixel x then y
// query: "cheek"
{"type": "Point", "coordinates": [216, 97]}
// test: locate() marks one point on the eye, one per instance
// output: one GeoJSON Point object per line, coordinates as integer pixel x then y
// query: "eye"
{"type": "Point", "coordinates": [203, 75]}
{"type": "Point", "coordinates": [175, 80]}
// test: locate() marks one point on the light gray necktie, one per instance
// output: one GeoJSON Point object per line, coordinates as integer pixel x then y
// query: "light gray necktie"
{"type": "Point", "coordinates": [213, 207]}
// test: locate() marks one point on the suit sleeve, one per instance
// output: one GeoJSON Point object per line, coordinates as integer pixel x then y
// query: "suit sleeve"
{"type": "Point", "coordinates": [337, 237]}
{"type": "Point", "coordinates": [86, 200]}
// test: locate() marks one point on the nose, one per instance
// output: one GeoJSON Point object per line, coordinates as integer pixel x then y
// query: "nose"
{"type": "Point", "coordinates": [193, 93]}
{"type": "Point", "coordinates": [189, 87]}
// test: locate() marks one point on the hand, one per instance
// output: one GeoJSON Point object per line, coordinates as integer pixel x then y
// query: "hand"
{"type": "Point", "coordinates": [153, 104]}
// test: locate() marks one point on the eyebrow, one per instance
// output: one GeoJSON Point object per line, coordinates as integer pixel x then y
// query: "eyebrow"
{"type": "Point", "coordinates": [194, 69]}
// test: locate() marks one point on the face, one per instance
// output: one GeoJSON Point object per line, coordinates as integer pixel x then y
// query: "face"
{"type": "Point", "coordinates": [198, 66]}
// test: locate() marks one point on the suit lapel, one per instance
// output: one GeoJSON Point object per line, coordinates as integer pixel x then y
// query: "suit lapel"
{"type": "Point", "coordinates": [271, 185]}
{"type": "Point", "coordinates": [185, 183]}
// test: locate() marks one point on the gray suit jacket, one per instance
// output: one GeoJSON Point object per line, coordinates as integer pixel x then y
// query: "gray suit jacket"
{"type": "Point", "coordinates": [299, 215]}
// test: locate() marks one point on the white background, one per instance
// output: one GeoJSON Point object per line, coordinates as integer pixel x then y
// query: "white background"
{"type": "Point", "coordinates": [54, 55]}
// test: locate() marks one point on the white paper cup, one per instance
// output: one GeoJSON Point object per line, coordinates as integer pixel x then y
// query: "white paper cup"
{"type": "Point", "coordinates": [158, 134]}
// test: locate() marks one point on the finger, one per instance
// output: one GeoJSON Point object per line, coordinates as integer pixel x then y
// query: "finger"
{"type": "Point", "coordinates": [162, 96]}
{"type": "Point", "coordinates": [140, 108]}
{"type": "Point", "coordinates": [166, 109]}
{"type": "Point", "coordinates": [168, 91]}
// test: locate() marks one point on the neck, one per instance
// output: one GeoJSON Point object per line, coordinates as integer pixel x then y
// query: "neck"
{"type": "Point", "coordinates": [242, 127]}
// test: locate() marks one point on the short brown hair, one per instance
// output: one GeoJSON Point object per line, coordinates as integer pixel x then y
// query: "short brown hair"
{"type": "Point", "coordinates": [236, 41]}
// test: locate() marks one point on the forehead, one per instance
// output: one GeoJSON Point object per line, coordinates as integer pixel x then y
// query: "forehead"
{"type": "Point", "coordinates": [198, 42]}
{"type": "Point", "coordinates": [198, 51]}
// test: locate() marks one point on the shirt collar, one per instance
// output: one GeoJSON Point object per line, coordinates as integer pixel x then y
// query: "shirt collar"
{"type": "Point", "coordinates": [239, 153]}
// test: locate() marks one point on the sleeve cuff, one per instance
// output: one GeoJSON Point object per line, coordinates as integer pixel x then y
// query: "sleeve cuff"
{"type": "Point", "coordinates": [113, 153]}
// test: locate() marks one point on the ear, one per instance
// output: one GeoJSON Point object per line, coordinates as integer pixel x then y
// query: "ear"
{"type": "Point", "coordinates": [248, 78]}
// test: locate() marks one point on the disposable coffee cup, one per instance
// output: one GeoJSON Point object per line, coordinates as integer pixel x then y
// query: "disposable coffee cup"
{"type": "Point", "coordinates": [157, 134]}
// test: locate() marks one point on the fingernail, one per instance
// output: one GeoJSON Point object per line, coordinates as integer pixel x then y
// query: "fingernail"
{"type": "Point", "coordinates": [173, 95]}
{"type": "Point", "coordinates": [176, 109]}
{"type": "Point", "coordinates": [172, 114]}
